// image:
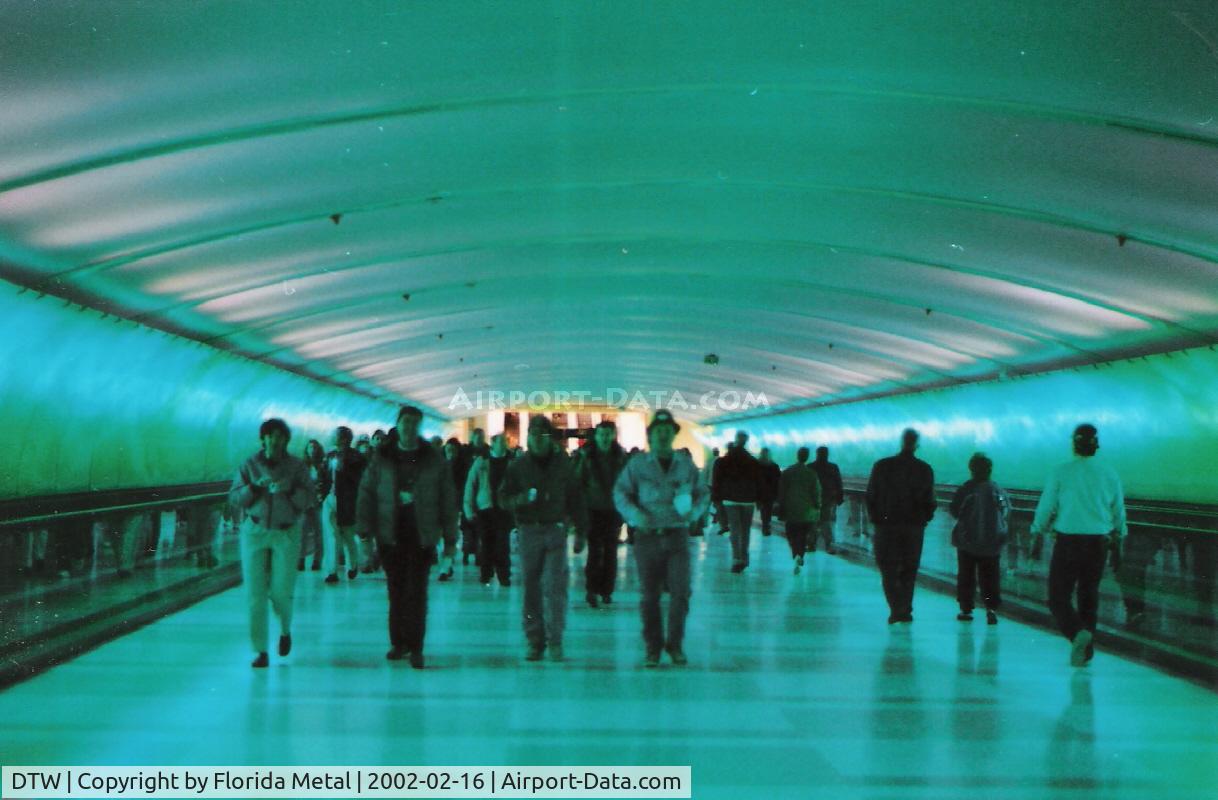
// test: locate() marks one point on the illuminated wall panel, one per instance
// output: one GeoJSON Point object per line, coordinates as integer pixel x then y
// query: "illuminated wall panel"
{"type": "Point", "coordinates": [92, 403]}
{"type": "Point", "coordinates": [1158, 421]}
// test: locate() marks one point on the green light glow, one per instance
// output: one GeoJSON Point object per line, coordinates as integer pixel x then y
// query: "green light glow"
{"type": "Point", "coordinates": [1157, 420]}
{"type": "Point", "coordinates": [100, 404]}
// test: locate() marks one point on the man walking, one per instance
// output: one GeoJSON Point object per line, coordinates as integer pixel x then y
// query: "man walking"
{"type": "Point", "coordinates": [660, 494]}
{"type": "Point", "coordinates": [346, 468]}
{"type": "Point", "coordinates": [832, 496]}
{"type": "Point", "coordinates": [273, 488]}
{"type": "Point", "coordinates": [542, 489]}
{"type": "Point", "coordinates": [735, 484]}
{"type": "Point", "coordinates": [484, 505]}
{"type": "Point", "coordinates": [767, 488]}
{"type": "Point", "coordinates": [407, 501]}
{"type": "Point", "coordinates": [900, 500]}
{"type": "Point", "coordinates": [600, 463]}
{"type": "Point", "coordinates": [1083, 504]}
{"type": "Point", "coordinates": [799, 504]}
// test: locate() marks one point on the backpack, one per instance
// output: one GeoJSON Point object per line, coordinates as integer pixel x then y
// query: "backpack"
{"type": "Point", "coordinates": [984, 518]}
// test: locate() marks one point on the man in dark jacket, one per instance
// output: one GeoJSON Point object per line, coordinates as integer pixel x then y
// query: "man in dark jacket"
{"type": "Point", "coordinates": [407, 500]}
{"type": "Point", "coordinates": [799, 502]}
{"type": "Point", "coordinates": [274, 489]}
{"type": "Point", "coordinates": [900, 500]}
{"type": "Point", "coordinates": [542, 489]}
{"type": "Point", "coordinates": [832, 496]}
{"type": "Point", "coordinates": [767, 488]}
{"type": "Point", "coordinates": [345, 466]}
{"type": "Point", "coordinates": [734, 484]}
{"type": "Point", "coordinates": [599, 464]}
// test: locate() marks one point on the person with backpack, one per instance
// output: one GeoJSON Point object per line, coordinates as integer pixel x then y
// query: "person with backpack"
{"type": "Point", "coordinates": [982, 511]}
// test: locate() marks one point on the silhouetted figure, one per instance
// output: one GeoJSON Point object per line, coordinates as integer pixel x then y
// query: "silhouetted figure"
{"type": "Point", "coordinates": [799, 504]}
{"type": "Point", "coordinates": [982, 510]}
{"type": "Point", "coordinates": [735, 484]}
{"type": "Point", "coordinates": [832, 496]}
{"type": "Point", "coordinates": [900, 501]}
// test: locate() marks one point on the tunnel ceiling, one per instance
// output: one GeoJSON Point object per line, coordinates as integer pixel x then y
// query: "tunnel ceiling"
{"type": "Point", "coordinates": [836, 199]}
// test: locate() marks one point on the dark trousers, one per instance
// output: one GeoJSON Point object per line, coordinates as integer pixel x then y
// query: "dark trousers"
{"type": "Point", "coordinates": [600, 573]}
{"type": "Point", "coordinates": [740, 520]}
{"type": "Point", "coordinates": [797, 537]}
{"type": "Point", "coordinates": [1077, 564]}
{"type": "Point", "coordinates": [469, 538]}
{"type": "Point", "coordinates": [973, 568]}
{"type": "Point", "coordinates": [898, 552]}
{"type": "Point", "coordinates": [663, 561]}
{"type": "Point", "coordinates": [406, 570]}
{"type": "Point", "coordinates": [766, 507]}
{"type": "Point", "coordinates": [494, 539]}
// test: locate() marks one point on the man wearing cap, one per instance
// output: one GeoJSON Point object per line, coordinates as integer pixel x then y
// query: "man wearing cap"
{"type": "Point", "coordinates": [408, 502]}
{"type": "Point", "coordinates": [542, 489]}
{"type": "Point", "coordinates": [660, 494]}
{"type": "Point", "coordinates": [1083, 504]}
{"type": "Point", "coordinates": [274, 489]}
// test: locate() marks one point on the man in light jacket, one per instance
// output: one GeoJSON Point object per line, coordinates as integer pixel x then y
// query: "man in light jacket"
{"type": "Point", "coordinates": [660, 494]}
{"type": "Point", "coordinates": [273, 489]}
{"type": "Point", "coordinates": [1083, 504]}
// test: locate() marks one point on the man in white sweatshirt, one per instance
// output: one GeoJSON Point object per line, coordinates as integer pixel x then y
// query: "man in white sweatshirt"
{"type": "Point", "coordinates": [1084, 506]}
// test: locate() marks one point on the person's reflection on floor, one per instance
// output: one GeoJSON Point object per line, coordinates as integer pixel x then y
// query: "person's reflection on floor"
{"type": "Point", "coordinates": [1070, 757]}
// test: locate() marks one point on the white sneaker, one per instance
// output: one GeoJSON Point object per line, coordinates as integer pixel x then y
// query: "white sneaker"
{"type": "Point", "coordinates": [797, 565]}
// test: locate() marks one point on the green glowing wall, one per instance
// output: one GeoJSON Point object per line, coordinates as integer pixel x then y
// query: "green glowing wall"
{"type": "Point", "coordinates": [1158, 421]}
{"type": "Point", "coordinates": [100, 404]}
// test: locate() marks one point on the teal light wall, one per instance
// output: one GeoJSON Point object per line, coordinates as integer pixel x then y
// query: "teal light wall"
{"type": "Point", "coordinates": [1158, 421]}
{"type": "Point", "coordinates": [92, 403]}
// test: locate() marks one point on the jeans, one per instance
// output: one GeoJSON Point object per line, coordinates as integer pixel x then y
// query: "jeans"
{"type": "Point", "coordinates": [740, 520]}
{"type": "Point", "coordinates": [663, 559]}
{"type": "Point", "coordinates": [543, 556]}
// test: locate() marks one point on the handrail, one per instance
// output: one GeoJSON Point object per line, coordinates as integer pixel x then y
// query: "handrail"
{"type": "Point", "coordinates": [1151, 507]}
{"type": "Point", "coordinates": [20, 512]}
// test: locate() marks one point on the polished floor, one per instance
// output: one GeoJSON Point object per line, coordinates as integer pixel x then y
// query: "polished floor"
{"type": "Point", "coordinates": [796, 687]}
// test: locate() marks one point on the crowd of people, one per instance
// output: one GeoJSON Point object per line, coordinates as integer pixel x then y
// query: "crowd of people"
{"type": "Point", "coordinates": [400, 503]}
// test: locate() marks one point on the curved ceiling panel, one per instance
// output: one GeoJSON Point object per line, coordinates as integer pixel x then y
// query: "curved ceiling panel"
{"type": "Point", "coordinates": [836, 200]}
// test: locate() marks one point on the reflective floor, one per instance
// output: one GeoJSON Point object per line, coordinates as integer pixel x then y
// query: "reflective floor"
{"type": "Point", "coordinates": [796, 687]}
